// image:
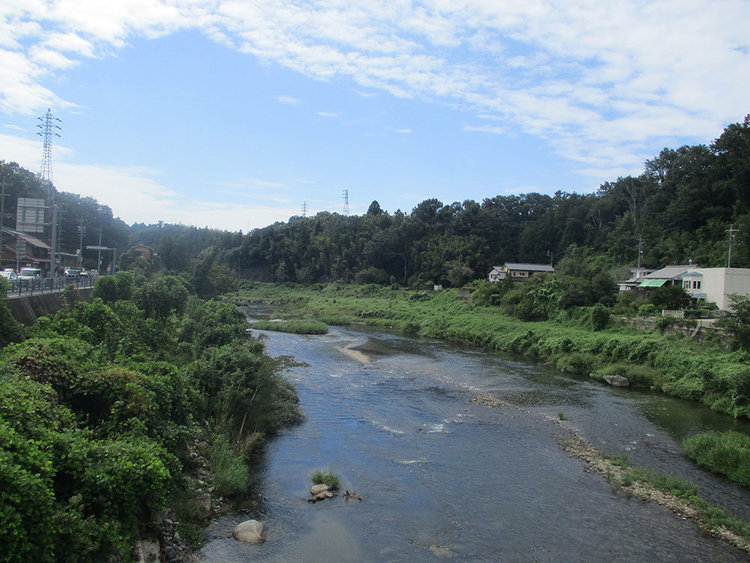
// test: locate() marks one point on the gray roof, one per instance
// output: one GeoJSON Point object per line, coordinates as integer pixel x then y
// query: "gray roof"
{"type": "Point", "coordinates": [670, 272]}
{"type": "Point", "coordinates": [529, 267]}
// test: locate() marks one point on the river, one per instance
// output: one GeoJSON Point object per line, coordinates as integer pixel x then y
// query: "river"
{"type": "Point", "coordinates": [445, 477]}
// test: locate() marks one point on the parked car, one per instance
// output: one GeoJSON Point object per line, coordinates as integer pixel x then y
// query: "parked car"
{"type": "Point", "coordinates": [30, 274]}
{"type": "Point", "coordinates": [9, 274]}
{"type": "Point", "coordinates": [73, 272]}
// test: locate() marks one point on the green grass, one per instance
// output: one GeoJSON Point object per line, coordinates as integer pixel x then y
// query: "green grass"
{"type": "Point", "coordinates": [326, 478]}
{"type": "Point", "coordinates": [727, 453]}
{"type": "Point", "coordinates": [231, 474]}
{"type": "Point", "coordinates": [293, 326]}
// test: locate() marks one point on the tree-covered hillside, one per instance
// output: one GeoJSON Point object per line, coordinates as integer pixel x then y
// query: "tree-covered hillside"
{"type": "Point", "coordinates": [680, 209]}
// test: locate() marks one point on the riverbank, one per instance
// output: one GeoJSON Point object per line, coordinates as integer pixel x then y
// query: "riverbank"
{"type": "Point", "coordinates": [701, 371]}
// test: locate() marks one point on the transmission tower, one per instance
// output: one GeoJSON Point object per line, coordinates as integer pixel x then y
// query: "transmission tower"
{"type": "Point", "coordinates": [346, 203]}
{"type": "Point", "coordinates": [304, 209]}
{"type": "Point", "coordinates": [48, 128]}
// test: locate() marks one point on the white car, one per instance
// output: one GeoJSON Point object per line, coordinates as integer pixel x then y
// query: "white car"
{"type": "Point", "coordinates": [30, 274]}
{"type": "Point", "coordinates": [9, 275]}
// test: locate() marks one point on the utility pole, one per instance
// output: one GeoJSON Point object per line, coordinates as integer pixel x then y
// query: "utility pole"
{"type": "Point", "coordinates": [81, 230]}
{"type": "Point", "coordinates": [731, 232]}
{"type": "Point", "coordinates": [2, 218]}
{"type": "Point", "coordinates": [640, 250]}
{"type": "Point", "coordinates": [99, 253]}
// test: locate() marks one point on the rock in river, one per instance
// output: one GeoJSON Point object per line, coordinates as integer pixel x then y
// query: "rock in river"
{"type": "Point", "coordinates": [617, 380]}
{"type": "Point", "coordinates": [249, 531]}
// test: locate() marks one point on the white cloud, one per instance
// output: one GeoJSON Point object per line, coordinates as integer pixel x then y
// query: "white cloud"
{"type": "Point", "coordinates": [288, 100]}
{"type": "Point", "coordinates": [603, 83]}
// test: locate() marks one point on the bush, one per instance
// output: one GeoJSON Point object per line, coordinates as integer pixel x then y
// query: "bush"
{"type": "Point", "coordinates": [294, 326]}
{"type": "Point", "coordinates": [599, 317]}
{"type": "Point", "coordinates": [647, 310]}
{"type": "Point", "coordinates": [727, 453]}
{"type": "Point", "coordinates": [231, 474]}
{"type": "Point", "coordinates": [326, 478]}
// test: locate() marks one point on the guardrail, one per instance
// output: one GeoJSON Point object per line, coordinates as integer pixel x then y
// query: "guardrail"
{"type": "Point", "coordinates": [20, 288]}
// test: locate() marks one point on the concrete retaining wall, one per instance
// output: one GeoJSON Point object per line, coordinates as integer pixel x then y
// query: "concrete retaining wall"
{"type": "Point", "coordinates": [27, 309]}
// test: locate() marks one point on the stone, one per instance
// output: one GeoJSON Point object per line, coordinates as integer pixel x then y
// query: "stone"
{"type": "Point", "coordinates": [617, 380]}
{"type": "Point", "coordinates": [249, 531]}
{"type": "Point", "coordinates": [317, 489]}
{"type": "Point", "coordinates": [146, 551]}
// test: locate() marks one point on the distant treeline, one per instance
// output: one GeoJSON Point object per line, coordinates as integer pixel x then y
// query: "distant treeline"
{"type": "Point", "coordinates": [678, 210]}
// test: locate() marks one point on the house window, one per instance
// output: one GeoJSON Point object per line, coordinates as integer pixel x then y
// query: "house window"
{"type": "Point", "coordinates": [696, 285]}
{"type": "Point", "coordinates": [686, 284]}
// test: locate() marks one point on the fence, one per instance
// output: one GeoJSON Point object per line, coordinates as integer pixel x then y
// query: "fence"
{"type": "Point", "coordinates": [18, 288]}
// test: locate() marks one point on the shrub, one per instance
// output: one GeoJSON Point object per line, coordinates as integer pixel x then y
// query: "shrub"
{"type": "Point", "coordinates": [727, 453]}
{"type": "Point", "coordinates": [231, 474]}
{"type": "Point", "coordinates": [293, 326]}
{"type": "Point", "coordinates": [326, 478]}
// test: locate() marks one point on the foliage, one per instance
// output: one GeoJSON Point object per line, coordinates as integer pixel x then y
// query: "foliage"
{"type": "Point", "coordinates": [737, 324]}
{"type": "Point", "coordinates": [231, 474]}
{"type": "Point", "coordinates": [294, 326]}
{"type": "Point", "coordinates": [100, 403]}
{"type": "Point", "coordinates": [326, 478]}
{"type": "Point", "coordinates": [672, 297]}
{"type": "Point", "coordinates": [727, 453]}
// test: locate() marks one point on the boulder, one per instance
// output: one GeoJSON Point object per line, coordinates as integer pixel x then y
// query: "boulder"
{"type": "Point", "coordinates": [249, 531]}
{"type": "Point", "coordinates": [317, 489]}
{"type": "Point", "coordinates": [617, 380]}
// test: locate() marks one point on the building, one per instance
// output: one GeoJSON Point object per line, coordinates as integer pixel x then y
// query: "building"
{"type": "Point", "coordinates": [637, 275]}
{"type": "Point", "coordinates": [710, 284]}
{"type": "Point", "coordinates": [517, 271]}
{"type": "Point", "coordinates": [21, 249]}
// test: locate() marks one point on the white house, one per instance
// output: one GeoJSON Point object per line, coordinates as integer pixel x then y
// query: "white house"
{"type": "Point", "coordinates": [517, 271]}
{"type": "Point", "coordinates": [637, 275]}
{"type": "Point", "coordinates": [711, 284]}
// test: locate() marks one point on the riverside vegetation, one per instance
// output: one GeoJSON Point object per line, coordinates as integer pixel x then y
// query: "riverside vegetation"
{"type": "Point", "coordinates": [581, 341]}
{"type": "Point", "coordinates": [144, 398]}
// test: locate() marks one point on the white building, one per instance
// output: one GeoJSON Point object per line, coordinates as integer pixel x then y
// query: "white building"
{"type": "Point", "coordinates": [711, 284]}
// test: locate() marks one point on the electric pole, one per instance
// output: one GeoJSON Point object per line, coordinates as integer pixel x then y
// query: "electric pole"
{"type": "Point", "coordinates": [48, 128]}
{"type": "Point", "coordinates": [731, 232]}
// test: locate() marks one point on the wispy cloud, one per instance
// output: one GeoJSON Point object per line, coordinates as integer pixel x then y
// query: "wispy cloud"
{"type": "Point", "coordinates": [288, 100]}
{"type": "Point", "coordinates": [626, 74]}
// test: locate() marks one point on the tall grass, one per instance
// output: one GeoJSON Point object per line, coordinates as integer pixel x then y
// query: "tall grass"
{"type": "Point", "coordinates": [231, 474]}
{"type": "Point", "coordinates": [727, 453]}
{"type": "Point", "coordinates": [293, 326]}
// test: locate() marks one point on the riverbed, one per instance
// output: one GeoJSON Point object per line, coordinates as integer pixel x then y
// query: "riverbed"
{"type": "Point", "coordinates": [443, 476]}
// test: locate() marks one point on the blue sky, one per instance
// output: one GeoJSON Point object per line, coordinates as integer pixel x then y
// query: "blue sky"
{"type": "Point", "coordinates": [231, 114]}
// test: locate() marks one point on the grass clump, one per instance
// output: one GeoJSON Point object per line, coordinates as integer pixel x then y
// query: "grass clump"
{"type": "Point", "coordinates": [231, 474]}
{"type": "Point", "coordinates": [326, 478]}
{"type": "Point", "coordinates": [293, 326]}
{"type": "Point", "coordinates": [726, 453]}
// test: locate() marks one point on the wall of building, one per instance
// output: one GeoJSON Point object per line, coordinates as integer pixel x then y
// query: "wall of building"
{"type": "Point", "coordinates": [719, 283]}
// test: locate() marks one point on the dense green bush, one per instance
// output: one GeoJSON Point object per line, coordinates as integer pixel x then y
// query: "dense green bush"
{"type": "Point", "coordinates": [727, 453]}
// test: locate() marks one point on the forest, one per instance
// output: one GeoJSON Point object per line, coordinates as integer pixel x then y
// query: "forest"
{"type": "Point", "coordinates": [678, 210]}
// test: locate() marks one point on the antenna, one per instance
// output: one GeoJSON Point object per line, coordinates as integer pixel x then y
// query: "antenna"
{"type": "Point", "coordinates": [48, 128]}
{"type": "Point", "coordinates": [346, 202]}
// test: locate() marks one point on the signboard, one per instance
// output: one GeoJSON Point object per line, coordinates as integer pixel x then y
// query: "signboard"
{"type": "Point", "coordinates": [30, 215]}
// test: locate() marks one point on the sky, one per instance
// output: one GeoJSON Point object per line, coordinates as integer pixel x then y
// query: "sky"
{"type": "Point", "coordinates": [235, 114]}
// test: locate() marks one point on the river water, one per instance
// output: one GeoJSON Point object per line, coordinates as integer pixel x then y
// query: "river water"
{"type": "Point", "coordinates": [444, 477]}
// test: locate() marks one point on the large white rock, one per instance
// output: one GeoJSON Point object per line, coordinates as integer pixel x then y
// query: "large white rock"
{"type": "Point", "coordinates": [317, 489]}
{"type": "Point", "coordinates": [617, 380]}
{"type": "Point", "coordinates": [249, 531]}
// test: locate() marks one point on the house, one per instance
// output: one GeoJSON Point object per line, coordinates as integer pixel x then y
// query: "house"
{"type": "Point", "coordinates": [517, 271]}
{"type": "Point", "coordinates": [637, 275]}
{"type": "Point", "coordinates": [710, 284]}
{"type": "Point", "coordinates": [20, 248]}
